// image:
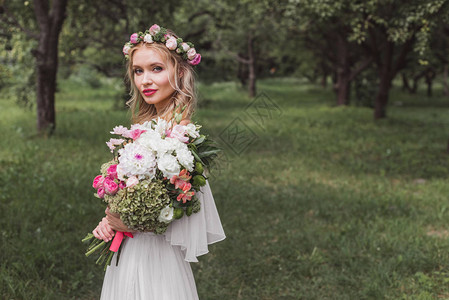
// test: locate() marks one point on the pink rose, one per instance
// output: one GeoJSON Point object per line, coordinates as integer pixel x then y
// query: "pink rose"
{"type": "Point", "coordinates": [98, 182]}
{"type": "Point", "coordinates": [171, 43]}
{"type": "Point", "coordinates": [196, 60]}
{"type": "Point", "coordinates": [110, 187]}
{"type": "Point", "coordinates": [132, 181]}
{"type": "Point", "coordinates": [100, 193]}
{"type": "Point", "coordinates": [154, 29]}
{"type": "Point", "coordinates": [178, 132]}
{"type": "Point", "coordinates": [112, 171]}
{"type": "Point", "coordinates": [133, 38]}
{"type": "Point", "coordinates": [191, 54]}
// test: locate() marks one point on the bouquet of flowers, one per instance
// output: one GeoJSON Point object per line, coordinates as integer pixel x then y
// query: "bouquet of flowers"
{"type": "Point", "coordinates": [156, 171]}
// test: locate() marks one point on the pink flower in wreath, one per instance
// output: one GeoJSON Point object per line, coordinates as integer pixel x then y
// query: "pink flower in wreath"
{"type": "Point", "coordinates": [196, 60]}
{"type": "Point", "coordinates": [154, 29]}
{"type": "Point", "coordinates": [171, 43]}
{"type": "Point", "coordinates": [126, 49]}
{"type": "Point", "coordinates": [133, 38]}
{"type": "Point", "coordinates": [191, 54]}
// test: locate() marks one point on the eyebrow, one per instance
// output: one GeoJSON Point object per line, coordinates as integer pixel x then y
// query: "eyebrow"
{"type": "Point", "coordinates": [152, 64]}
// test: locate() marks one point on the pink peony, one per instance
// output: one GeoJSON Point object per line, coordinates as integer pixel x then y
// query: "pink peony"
{"type": "Point", "coordinates": [110, 187]}
{"type": "Point", "coordinates": [178, 132]}
{"type": "Point", "coordinates": [171, 43]}
{"type": "Point", "coordinates": [100, 192]}
{"type": "Point", "coordinates": [133, 38]}
{"type": "Point", "coordinates": [98, 182]}
{"type": "Point", "coordinates": [112, 171]}
{"type": "Point", "coordinates": [154, 29]}
{"type": "Point", "coordinates": [196, 60]}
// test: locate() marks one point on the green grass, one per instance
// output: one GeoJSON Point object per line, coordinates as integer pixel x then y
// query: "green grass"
{"type": "Point", "coordinates": [325, 204]}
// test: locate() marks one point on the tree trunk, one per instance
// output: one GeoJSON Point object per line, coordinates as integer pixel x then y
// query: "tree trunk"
{"type": "Point", "coordinates": [251, 68]}
{"type": "Point", "coordinates": [445, 78]}
{"type": "Point", "coordinates": [381, 101]}
{"type": "Point", "coordinates": [50, 24]}
{"type": "Point", "coordinates": [405, 84]}
{"type": "Point", "coordinates": [343, 71]}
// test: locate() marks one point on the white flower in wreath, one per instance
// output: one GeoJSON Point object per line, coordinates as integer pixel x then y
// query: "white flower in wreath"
{"type": "Point", "coordinates": [166, 215]}
{"type": "Point", "coordinates": [148, 38]}
{"type": "Point", "coordinates": [191, 53]}
{"type": "Point", "coordinates": [185, 47]}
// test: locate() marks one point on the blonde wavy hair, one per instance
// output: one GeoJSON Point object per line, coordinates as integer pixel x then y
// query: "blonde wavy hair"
{"type": "Point", "coordinates": [184, 86]}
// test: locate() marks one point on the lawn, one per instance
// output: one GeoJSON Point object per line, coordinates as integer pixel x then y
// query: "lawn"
{"type": "Point", "coordinates": [317, 201]}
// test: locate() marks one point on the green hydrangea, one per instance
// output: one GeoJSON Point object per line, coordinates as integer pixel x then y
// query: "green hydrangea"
{"type": "Point", "coordinates": [141, 205]}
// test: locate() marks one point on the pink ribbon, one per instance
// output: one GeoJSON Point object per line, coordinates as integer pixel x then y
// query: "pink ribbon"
{"type": "Point", "coordinates": [118, 238]}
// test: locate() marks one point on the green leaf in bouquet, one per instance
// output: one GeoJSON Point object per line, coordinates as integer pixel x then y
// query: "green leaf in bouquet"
{"type": "Point", "coordinates": [189, 211]}
{"type": "Point", "coordinates": [199, 140]}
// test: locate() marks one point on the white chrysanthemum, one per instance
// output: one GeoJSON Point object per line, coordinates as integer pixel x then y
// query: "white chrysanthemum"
{"type": "Point", "coordinates": [166, 215]}
{"type": "Point", "coordinates": [185, 158]}
{"type": "Point", "coordinates": [168, 164]}
{"type": "Point", "coordinates": [136, 160]}
{"type": "Point", "coordinates": [192, 130]}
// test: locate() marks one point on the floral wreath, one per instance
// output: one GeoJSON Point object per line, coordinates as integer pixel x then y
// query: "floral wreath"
{"type": "Point", "coordinates": [161, 35]}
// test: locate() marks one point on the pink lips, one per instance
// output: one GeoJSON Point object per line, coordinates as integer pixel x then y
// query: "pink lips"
{"type": "Point", "coordinates": [148, 92]}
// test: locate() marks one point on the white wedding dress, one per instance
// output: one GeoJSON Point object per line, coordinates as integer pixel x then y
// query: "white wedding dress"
{"type": "Point", "coordinates": [157, 267]}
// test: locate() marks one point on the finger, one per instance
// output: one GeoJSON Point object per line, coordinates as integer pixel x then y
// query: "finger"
{"type": "Point", "coordinates": [104, 233]}
{"type": "Point", "coordinates": [94, 232]}
{"type": "Point", "coordinates": [108, 227]}
{"type": "Point", "coordinates": [106, 210]}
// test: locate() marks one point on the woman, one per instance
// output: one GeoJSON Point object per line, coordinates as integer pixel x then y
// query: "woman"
{"type": "Point", "coordinates": [160, 71]}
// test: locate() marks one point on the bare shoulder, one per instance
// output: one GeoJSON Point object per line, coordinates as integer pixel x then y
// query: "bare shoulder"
{"type": "Point", "coordinates": [184, 122]}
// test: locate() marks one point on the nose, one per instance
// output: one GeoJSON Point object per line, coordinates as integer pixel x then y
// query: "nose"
{"type": "Point", "coordinates": [147, 78]}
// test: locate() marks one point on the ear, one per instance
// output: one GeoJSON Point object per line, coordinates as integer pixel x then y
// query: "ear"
{"type": "Point", "coordinates": [181, 73]}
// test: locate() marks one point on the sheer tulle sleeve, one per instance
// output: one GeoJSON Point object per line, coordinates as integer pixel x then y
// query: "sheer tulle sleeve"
{"type": "Point", "coordinates": [196, 232]}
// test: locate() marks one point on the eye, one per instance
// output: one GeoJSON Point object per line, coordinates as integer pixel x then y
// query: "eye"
{"type": "Point", "coordinates": [157, 69]}
{"type": "Point", "coordinates": [138, 71]}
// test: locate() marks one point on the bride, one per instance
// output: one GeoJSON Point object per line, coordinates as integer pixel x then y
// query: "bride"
{"type": "Point", "coordinates": [157, 266]}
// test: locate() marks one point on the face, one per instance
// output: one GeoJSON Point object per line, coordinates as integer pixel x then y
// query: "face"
{"type": "Point", "coordinates": [152, 77]}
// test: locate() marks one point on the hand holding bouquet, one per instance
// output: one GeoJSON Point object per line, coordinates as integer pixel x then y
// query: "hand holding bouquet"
{"type": "Point", "coordinates": [157, 169]}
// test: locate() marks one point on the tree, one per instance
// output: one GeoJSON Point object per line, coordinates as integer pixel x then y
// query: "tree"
{"type": "Point", "coordinates": [48, 23]}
